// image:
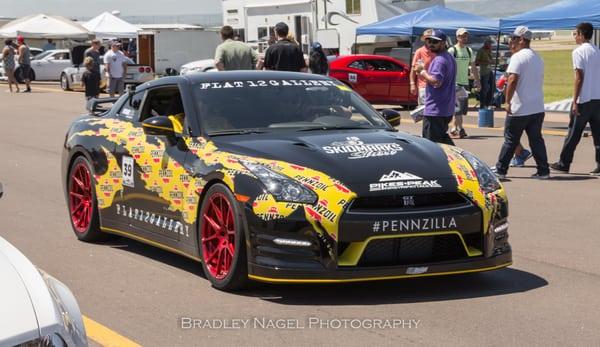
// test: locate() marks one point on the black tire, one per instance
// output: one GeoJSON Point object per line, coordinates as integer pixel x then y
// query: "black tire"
{"type": "Point", "coordinates": [237, 277]}
{"type": "Point", "coordinates": [64, 82]}
{"type": "Point", "coordinates": [92, 232]}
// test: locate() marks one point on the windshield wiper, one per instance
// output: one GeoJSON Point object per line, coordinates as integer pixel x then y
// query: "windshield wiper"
{"type": "Point", "coordinates": [236, 132]}
{"type": "Point", "coordinates": [334, 127]}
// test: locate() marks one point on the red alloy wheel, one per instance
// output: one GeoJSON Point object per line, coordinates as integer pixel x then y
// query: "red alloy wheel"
{"type": "Point", "coordinates": [80, 197]}
{"type": "Point", "coordinates": [218, 236]}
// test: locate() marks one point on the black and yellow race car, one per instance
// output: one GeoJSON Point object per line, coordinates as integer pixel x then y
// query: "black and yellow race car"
{"type": "Point", "coordinates": [280, 177]}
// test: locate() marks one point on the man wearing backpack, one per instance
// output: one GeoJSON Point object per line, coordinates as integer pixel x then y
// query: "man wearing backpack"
{"type": "Point", "coordinates": [465, 58]}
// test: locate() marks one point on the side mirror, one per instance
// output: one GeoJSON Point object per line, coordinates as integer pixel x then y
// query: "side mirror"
{"type": "Point", "coordinates": [158, 125]}
{"type": "Point", "coordinates": [392, 116]}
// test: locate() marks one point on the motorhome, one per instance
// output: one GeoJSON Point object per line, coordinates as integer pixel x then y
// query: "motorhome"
{"type": "Point", "coordinates": [331, 22]}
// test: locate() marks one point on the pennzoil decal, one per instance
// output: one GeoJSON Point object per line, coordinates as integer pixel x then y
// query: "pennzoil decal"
{"type": "Point", "coordinates": [357, 149]}
{"type": "Point", "coordinates": [402, 180]}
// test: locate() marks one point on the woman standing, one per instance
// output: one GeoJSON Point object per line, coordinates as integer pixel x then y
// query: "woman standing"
{"type": "Point", "coordinates": [318, 61]}
{"type": "Point", "coordinates": [8, 61]}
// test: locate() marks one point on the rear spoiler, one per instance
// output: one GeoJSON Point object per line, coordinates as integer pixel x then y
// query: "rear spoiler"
{"type": "Point", "coordinates": [94, 105]}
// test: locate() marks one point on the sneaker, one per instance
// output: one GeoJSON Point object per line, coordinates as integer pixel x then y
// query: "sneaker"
{"type": "Point", "coordinates": [454, 134]}
{"type": "Point", "coordinates": [596, 171]}
{"type": "Point", "coordinates": [499, 175]}
{"type": "Point", "coordinates": [462, 134]}
{"type": "Point", "coordinates": [560, 168]}
{"type": "Point", "coordinates": [517, 161]}
{"type": "Point", "coordinates": [539, 176]}
{"type": "Point", "coordinates": [525, 155]}
{"type": "Point", "coordinates": [28, 90]}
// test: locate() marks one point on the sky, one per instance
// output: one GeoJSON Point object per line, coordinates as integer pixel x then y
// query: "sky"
{"type": "Point", "coordinates": [91, 8]}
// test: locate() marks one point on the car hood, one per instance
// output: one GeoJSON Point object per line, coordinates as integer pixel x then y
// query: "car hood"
{"type": "Point", "coordinates": [199, 64]}
{"type": "Point", "coordinates": [357, 158]}
{"type": "Point", "coordinates": [18, 321]}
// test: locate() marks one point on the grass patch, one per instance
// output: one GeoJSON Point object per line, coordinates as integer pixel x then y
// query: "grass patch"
{"type": "Point", "coordinates": [558, 75]}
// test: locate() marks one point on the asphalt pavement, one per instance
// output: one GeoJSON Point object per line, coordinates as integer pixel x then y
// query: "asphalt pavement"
{"type": "Point", "coordinates": [132, 293]}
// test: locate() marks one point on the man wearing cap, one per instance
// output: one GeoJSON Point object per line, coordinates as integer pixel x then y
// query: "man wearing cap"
{"type": "Point", "coordinates": [486, 74]}
{"type": "Point", "coordinates": [24, 62]}
{"type": "Point", "coordinates": [424, 55]}
{"type": "Point", "coordinates": [440, 93]}
{"type": "Point", "coordinates": [284, 55]}
{"type": "Point", "coordinates": [115, 64]}
{"type": "Point", "coordinates": [464, 59]}
{"type": "Point", "coordinates": [234, 55]}
{"type": "Point", "coordinates": [585, 107]}
{"type": "Point", "coordinates": [524, 104]}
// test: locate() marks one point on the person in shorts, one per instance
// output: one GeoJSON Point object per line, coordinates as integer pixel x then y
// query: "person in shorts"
{"type": "Point", "coordinates": [24, 62]}
{"type": "Point", "coordinates": [115, 64]}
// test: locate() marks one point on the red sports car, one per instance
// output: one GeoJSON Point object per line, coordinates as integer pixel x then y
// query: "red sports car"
{"type": "Point", "coordinates": [379, 79]}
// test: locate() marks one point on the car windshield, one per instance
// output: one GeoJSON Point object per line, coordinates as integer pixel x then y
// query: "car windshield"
{"type": "Point", "coordinates": [244, 107]}
{"type": "Point", "coordinates": [42, 55]}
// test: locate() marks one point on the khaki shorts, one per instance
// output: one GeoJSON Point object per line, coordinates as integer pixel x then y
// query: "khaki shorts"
{"type": "Point", "coordinates": [421, 97]}
{"type": "Point", "coordinates": [116, 85]}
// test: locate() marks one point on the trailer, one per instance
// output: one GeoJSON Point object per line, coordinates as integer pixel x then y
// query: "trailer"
{"type": "Point", "coordinates": [168, 46]}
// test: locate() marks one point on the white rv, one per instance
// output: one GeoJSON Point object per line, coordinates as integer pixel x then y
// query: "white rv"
{"type": "Point", "coordinates": [164, 46]}
{"type": "Point", "coordinates": [331, 22]}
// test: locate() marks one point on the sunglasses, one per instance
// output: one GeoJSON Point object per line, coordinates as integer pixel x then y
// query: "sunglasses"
{"type": "Point", "coordinates": [433, 41]}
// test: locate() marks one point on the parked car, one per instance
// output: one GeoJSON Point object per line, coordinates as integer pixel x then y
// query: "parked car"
{"type": "Point", "coordinates": [203, 65]}
{"type": "Point", "coordinates": [37, 309]}
{"type": "Point", "coordinates": [379, 79]}
{"type": "Point", "coordinates": [70, 77]}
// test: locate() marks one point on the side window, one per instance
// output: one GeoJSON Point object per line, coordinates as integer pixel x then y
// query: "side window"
{"type": "Point", "coordinates": [131, 109]}
{"type": "Point", "coordinates": [359, 65]}
{"type": "Point", "coordinates": [166, 102]}
{"type": "Point", "coordinates": [383, 65]}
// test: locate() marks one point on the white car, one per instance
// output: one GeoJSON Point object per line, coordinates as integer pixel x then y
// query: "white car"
{"type": "Point", "coordinates": [46, 66]}
{"type": "Point", "coordinates": [70, 77]}
{"type": "Point", "coordinates": [198, 66]}
{"type": "Point", "coordinates": [36, 308]}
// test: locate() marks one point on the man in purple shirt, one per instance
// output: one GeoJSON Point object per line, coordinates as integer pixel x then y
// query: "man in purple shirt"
{"type": "Point", "coordinates": [440, 92]}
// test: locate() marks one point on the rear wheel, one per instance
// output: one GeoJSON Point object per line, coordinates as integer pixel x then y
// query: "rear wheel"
{"type": "Point", "coordinates": [64, 82]}
{"type": "Point", "coordinates": [83, 206]}
{"type": "Point", "coordinates": [222, 242]}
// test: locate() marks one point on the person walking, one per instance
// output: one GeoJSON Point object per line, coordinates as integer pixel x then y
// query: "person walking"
{"type": "Point", "coordinates": [284, 55]}
{"type": "Point", "coordinates": [24, 62]}
{"type": "Point", "coordinates": [485, 61]}
{"type": "Point", "coordinates": [8, 62]}
{"type": "Point", "coordinates": [465, 58]}
{"type": "Point", "coordinates": [234, 55]}
{"type": "Point", "coordinates": [115, 64]}
{"type": "Point", "coordinates": [585, 107]}
{"type": "Point", "coordinates": [94, 53]}
{"type": "Point", "coordinates": [90, 80]}
{"type": "Point", "coordinates": [524, 105]}
{"type": "Point", "coordinates": [440, 93]}
{"type": "Point", "coordinates": [317, 61]}
{"type": "Point", "coordinates": [422, 55]}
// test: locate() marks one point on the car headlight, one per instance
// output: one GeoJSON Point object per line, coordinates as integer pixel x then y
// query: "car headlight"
{"type": "Point", "coordinates": [283, 188]}
{"type": "Point", "coordinates": [487, 179]}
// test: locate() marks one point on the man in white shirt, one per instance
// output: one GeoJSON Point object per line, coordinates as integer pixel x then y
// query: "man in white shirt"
{"type": "Point", "coordinates": [525, 104]}
{"type": "Point", "coordinates": [586, 98]}
{"type": "Point", "coordinates": [115, 64]}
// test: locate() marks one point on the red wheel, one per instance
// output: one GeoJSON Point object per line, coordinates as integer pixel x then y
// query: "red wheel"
{"type": "Point", "coordinates": [222, 243]}
{"type": "Point", "coordinates": [83, 210]}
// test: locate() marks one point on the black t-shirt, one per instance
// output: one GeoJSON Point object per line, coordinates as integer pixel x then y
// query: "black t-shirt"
{"type": "Point", "coordinates": [95, 55]}
{"type": "Point", "coordinates": [284, 55]}
{"type": "Point", "coordinates": [91, 80]}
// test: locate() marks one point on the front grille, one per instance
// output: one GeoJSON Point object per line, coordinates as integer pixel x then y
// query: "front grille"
{"type": "Point", "coordinates": [395, 202]}
{"type": "Point", "coordinates": [412, 250]}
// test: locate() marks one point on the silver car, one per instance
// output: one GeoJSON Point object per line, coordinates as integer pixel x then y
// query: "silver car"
{"type": "Point", "coordinates": [36, 308]}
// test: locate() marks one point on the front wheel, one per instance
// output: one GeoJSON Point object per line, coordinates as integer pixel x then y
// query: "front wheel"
{"type": "Point", "coordinates": [64, 82]}
{"type": "Point", "coordinates": [222, 242]}
{"type": "Point", "coordinates": [83, 206]}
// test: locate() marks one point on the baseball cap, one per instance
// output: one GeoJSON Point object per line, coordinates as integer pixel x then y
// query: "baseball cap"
{"type": "Point", "coordinates": [461, 31]}
{"type": "Point", "coordinates": [316, 46]}
{"type": "Point", "coordinates": [522, 31]}
{"type": "Point", "coordinates": [115, 43]}
{"type": "Point", "coordinates": [20, 38]}
{"type": "Point", "coordinates": [435, 34]}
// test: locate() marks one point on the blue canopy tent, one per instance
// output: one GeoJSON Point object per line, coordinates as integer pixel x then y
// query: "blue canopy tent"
{"type": "Point", "coordinates": [561, 15]}
{"type": "Point", "coordinates": [438, 17]}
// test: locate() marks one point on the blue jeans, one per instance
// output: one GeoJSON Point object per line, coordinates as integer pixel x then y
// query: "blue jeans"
{"type": "Point", "coordinates": [513, 130]}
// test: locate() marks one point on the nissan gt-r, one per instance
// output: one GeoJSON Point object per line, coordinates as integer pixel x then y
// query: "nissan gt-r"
{"type": "Point", "coordinates": [280, 177]}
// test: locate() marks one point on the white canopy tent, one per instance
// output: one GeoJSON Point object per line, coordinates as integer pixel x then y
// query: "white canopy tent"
{"type": "Point", "coordinates": [107, 26]}
{"type": "Point", "coordinates": [42, 26]}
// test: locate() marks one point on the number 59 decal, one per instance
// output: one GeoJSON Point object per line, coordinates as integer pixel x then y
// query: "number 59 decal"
{"type": "Point", "coordinates": [128, 172]}
{"type": "Point", "coordinates": [352, 77]}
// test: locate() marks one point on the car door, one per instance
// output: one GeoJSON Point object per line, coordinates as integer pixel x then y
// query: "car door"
{"type": "Point", "coordinates": [399, 82]}
{"type": "Point", "coordinates": [376, 80]}
{"type": "Point", "coordinates": [154, 178]}
{"type": "Point", "coordinates": [50, 67]}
